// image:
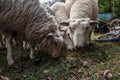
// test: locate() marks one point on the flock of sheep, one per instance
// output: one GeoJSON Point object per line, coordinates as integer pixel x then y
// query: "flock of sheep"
{"type": "Point", "coordinates": [46, 28]}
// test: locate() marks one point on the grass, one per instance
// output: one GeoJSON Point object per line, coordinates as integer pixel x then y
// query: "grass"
{"type": "Point", "coordinates": [100, 57]}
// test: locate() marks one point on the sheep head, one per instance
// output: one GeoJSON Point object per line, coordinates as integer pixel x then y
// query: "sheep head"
{"type": "Point", "coordinates": [55, 47]}
{"type": "Point", "coordinates": [79, 31]}
{"type": "Point", "coordinates": [52, 44]}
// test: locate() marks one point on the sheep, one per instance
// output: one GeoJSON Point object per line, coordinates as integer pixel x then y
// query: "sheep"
{"type": "Point", "coordinates": [30, 21]}
{"type": "Point", "coordinates": [51, 2]}
{"type": "Point", "coordinates": [82, 17]}
{"type": "Point", "coordinates": [68, 5]}
{"type": "Point", "coordinates": [59, 11]}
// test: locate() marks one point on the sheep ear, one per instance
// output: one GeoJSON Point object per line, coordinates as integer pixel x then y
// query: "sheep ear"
{"type": "Point", "coordinates": [94, 23]}
{"type": "Point", "coordinates": [66, 23]}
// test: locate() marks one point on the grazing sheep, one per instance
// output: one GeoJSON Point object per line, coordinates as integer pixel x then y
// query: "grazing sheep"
{"type": "Point", "coordinates": [59, 11]}
{"type": "Point", "coordinates": [30, 21]}
{"type": "Point", "coordinates": [51, 2]}
{"type": "Point", "coordinates": [82, 14]}
{"type": "Point", "coordinates": [68, 5]}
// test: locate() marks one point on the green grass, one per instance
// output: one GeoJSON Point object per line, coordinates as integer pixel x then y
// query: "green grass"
{"type": "Point", "coordinates": [101, 56]}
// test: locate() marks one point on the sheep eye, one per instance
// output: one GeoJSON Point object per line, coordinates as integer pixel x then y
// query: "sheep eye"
{"type": "Point", "coordinates": [83, 20]}
{"type": "Point", "coordinates": [68, 35]}
{"type": "Point", "coordinates": [86, 29]}
{"type": "Point", "coordinates": [70, 29]}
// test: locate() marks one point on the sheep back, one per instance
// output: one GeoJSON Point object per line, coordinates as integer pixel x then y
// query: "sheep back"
{"type": "Point", "coordinates": [30, 20]}
{"type": "Point", "coordinates": [58, 9]}
{"type": "Point", "coordinates": [26, 17]}
{"type": "Point", "coordinates": [82, 9]}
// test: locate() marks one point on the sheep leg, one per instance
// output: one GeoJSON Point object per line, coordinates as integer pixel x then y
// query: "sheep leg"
{"type": "Point", "coordinates": [26, 45]}
{"type": "Point", "coordinates": [1, 43]}
{"type": "Point", "coordinates": [9, 49]}
{"type": "Point", "coordinates": [2, 40]}
{"type": "Point", "coordinates": [32, 52]}
{"type": "Point", "coordinates": [22, 49]}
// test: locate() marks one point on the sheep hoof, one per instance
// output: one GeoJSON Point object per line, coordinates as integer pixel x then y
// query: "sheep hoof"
{"type": "Point", "coordinates": [10, 62]}
{"type": "Point", "coordinates": [32, 57]}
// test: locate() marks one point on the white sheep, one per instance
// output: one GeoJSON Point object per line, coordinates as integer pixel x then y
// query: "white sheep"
{"type": "Point", "coordinates": [59, 11]}
{"type": "Point", "coordinates": [30, 21]}
{"type": "Point", "coordinates": [83, 15]}
{"type": "Point", "coordinates": [68, 5]}
{"type": "Point", "coordinates": [50, 2]}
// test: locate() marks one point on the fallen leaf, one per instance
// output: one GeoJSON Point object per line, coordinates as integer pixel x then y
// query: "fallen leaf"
{"type": "Point", "coordinates": [46, 71]}
{"type": "Point", "coordinates": [86, 63]}
{"type": "Point", "coordinates": [4, 78]}
{"type": "Point", "coordinates": [87, 78]}
{"type": "Point", "coordinates": [49, 78]}
{"type": "Point", "coordinates": [107, 74]}
{"type": "Point", "coordinates": [24, 76]}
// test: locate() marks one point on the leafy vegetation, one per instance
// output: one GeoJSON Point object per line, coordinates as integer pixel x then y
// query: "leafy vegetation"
{"type": "Point", "coordinates": [89, 63]}
{"type": "Point", "coordinates": [85, 64]}
{"type": "Point", "coordinates": [106, 6]}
